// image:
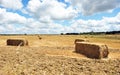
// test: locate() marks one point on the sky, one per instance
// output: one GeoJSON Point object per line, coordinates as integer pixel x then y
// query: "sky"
{"type": "Point", "coordinates": [58, 16]}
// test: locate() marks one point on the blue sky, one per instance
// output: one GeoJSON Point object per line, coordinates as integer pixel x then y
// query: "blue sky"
{"type": "Point", "coordinates": [58, 16]}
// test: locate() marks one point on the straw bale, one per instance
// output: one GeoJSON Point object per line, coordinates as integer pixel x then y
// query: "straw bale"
{"type": "Point", "coordinates": [39, 37]}
{"type": "Point", "coordinates": [92, 50]}
{"type": "Point", "coordinates": [17, 42]}
{"type": "Point", "coordinates": [80, 40]}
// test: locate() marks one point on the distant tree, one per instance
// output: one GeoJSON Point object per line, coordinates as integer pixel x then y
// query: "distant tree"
{"type": "Point", "coordinates": [91, 32]}
{"type": "Point", "coordinates": [25, 34]}
{"type": "Point", "coordinates": [72, 33]}
{"type": "Point", "coordinates": [62, 34]}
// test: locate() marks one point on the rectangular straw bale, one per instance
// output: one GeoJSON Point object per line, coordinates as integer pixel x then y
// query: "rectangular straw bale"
{"type": "Point", "coordinates": [92, 50]}
{"type": "Point", "coordinates": [80, 40]}
{"type": "Point", "coordinates": [16, 42]}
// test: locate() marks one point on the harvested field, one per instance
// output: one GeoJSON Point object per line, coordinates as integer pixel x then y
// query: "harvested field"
{"type": "Point", "coordinates": [55, 55]}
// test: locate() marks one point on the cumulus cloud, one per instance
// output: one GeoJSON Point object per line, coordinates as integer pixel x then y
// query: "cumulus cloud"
{"type": "Point", "coordinates": [106, 24]}
{"type": "Point", "coordinates": [15, 23]}
{"type": "Point", "coordinates": [44, 15]}
{"type": "Point", "coordinates": [10, 22]}
{"type": "Point", "coordinates": [45, 19]}
{"type": "Point", "coordinates": [88, 7]}
{"type": "Point", "coordinates": [9, 17]}
{"type": "Point", "coordinates": [12, 4]}
{"type": "Point", "coordinates": [2, 29]}
{"type": "Point", "coordinates": [51, 8]}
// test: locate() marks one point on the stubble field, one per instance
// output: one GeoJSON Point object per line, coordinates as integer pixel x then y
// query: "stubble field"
{"type": "Point", "coordinates": [55, 55]}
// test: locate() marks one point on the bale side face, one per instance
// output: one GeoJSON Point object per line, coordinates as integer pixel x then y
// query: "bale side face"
{"type": "Point", "coordinates": [92, 50]}
{"type": "Point", "coordinates": [104, 51]}
{"type": "Point", "coordinates": [17, 42]}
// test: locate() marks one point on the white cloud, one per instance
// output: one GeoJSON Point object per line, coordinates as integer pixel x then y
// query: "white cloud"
{"type": "Point", "coordinates": [45, 13]}
{"type": "Point", "coordinates": [2, 29]}
{"type": "Point", "coordinates": [10, 22]}
{"type": "Point", "coordinates": [9, 17]}
{"type": "Point", "coordinates": [45, 19]}
{"type": "Point", "coordinates": [44, 28]}
{"type": "Point", "coordinates": [106, 24]}
{"type": "Point", "coordinates": [51, 8]}
{"type": "Point", "coordinates": [15, 23]}
{"type": "Point", "coordinates": [88, 7]}
{"type": "Point", "coordinates": [12, 4]}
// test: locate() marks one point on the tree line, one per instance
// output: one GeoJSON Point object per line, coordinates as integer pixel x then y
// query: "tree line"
{"type": "Point", "coordinates": [92, 33]}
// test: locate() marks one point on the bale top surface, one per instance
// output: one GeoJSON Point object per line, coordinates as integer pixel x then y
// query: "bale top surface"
{"type": "Point", "coordinates": [16, 39]}
{"type": "Point", "coordinates": [100, 44]}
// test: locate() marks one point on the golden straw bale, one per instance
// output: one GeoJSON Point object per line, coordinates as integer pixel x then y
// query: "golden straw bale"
{"type": "Point", "coordinates": [92, 50]}
{"type": "Point", "coordinates": [17, 42]}
{"type": "Point", "coordinates": [80, 40]}
{"type": "Point", "coordinates": [39, 37]}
